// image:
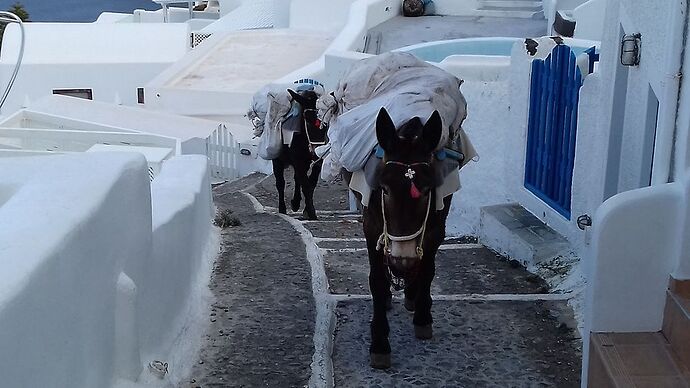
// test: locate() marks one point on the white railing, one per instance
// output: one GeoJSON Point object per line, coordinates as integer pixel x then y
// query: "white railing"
{"type": "Point", "coordinates": [221, 150]}
{"type": "Point", "coordinates": [195, 38]}
{"type": "Point", "coordinates": [77, 141]}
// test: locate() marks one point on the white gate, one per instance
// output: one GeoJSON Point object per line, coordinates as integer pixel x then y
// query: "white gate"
{"type": "Point", "coordinates": [221, 148]}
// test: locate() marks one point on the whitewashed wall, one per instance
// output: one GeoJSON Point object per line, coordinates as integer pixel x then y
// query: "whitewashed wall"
{"type": "Point", "coordinates": [639, 238]}
{"type": "Point", "coordinates": [455, 7]}
{"type": "Point", "coordinates": [113, 59]}
{"type": "Point", "coordinates": [589, 18]}
{"type": "Point", "coordinates": [96, 266]}
{"type": "Point", "coordinates": [661, 26]}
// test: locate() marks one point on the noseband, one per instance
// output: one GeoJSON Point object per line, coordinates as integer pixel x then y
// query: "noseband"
{"type": "Point", "coordinates": [386, 238]}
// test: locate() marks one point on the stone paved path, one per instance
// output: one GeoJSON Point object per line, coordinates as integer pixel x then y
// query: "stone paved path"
{"type": "Point", "coordinates": [495, 325]}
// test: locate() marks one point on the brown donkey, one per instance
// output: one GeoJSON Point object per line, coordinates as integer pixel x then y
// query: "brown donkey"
{"type": "Point", "coordinates": [402, 227]}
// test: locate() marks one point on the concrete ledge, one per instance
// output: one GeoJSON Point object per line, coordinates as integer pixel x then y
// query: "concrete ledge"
{"type": "Point", "coordinates": [514, 232]}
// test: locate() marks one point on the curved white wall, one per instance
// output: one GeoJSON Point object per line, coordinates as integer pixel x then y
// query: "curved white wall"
{"type": "Point", "coordinates": [96, 266]}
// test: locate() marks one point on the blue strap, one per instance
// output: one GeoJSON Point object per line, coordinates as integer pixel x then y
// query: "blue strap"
{"type": "Point", "coordinates": [441, 154]}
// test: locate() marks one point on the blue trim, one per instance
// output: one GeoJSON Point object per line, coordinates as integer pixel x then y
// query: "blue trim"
{"type": "Point", "coordinates": [441, 154]}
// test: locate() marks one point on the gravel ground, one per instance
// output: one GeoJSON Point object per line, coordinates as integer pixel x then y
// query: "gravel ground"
{"type": "Point", "coordinates": [465, 271]}
{"type": "Point", "coordinates": [262, 322]}
{"type": "Point", "coordinates": [475, 344]}
{"type": "Point", "coordinates": [331, 196]}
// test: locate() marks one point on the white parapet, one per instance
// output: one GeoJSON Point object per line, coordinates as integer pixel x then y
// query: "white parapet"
{"type": "Point", "coordinates": [100, 273]}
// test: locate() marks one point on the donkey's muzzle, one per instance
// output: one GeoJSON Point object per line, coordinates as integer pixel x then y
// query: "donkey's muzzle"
{"type": "Point", "coordinates": [404, 267]}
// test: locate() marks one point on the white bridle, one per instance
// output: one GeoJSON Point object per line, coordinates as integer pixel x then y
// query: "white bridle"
{"type": "Point", "coordinates": [386, 237]}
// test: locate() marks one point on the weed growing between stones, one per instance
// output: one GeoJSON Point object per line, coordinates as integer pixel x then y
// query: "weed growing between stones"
{"type": "Point", "coordinates": [224, 219]}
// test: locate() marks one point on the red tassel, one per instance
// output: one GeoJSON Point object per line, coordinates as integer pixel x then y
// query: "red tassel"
{"type": "Point", "coordinates": [414, 192]}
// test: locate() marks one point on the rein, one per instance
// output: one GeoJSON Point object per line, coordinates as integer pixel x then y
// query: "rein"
{"type": "Point", "coordinates": [306, 130]}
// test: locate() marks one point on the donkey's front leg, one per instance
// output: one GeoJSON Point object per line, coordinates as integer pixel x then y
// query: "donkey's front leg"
{"type": "Point", "coordinates": [296, 195]}
{"type": "Point", "coordinates": [278, 170]}
{"type": "Point", "coordinates": [422, 306]}
{"type": "Point", "coordinates": [380, 349]}
{"type": "Point", "coordinates": [308, 191]}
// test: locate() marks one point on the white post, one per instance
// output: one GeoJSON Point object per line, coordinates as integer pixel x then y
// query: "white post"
{"type": "Point", "coordinates": [165, 12]}
{"type": "Point", "coordinates": [682, 272]}
{"type": "Point", "coordinates": [352, 200]}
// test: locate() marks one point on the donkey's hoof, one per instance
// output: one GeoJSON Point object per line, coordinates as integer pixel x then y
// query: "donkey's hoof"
{"type": "Point", "coordinates": [380, 361]}
{"type": "Point", "coordinates": [309, 216]}
{"type": "Point", "coordinates": [282, 209]}
{"type": "Point", "coordinates": [423, 332]}
{"type": "Point", "coordinates": [409, 304]}
{"type": "Point", "coordinates": [295, 205]}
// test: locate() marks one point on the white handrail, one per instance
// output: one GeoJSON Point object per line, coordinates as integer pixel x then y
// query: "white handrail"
{"type": "Point", "coordinates": [9, 17]}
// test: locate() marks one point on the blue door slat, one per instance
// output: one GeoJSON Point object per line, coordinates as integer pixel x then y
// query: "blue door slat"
{"type": "Point", "coordinates": [543, 97]}
{"type": "Point", "coordinates": [552, 128]}
{"type": "Point", "coordinates": [533, 109]}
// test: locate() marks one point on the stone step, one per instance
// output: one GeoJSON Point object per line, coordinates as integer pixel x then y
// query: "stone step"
{"type": "Point", "coordinates": [628, 360]}
{"type": "Point", "coordinates": [676, 326]}
{"type": "Point", "coordinates": [512, 4]}
{"type": "Point", "coordinates": [511, 230]}
{"type": "Point", "coordinates": [502, 12]}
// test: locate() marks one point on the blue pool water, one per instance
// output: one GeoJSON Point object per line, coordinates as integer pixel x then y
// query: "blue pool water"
{"type": "Point", "coordinates": [438, 51]}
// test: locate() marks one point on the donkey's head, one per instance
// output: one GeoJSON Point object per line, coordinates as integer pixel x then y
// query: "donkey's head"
{"type": "Point", "coordinates": [307, 101]}
{"type": "Point", "coordinates": [407, 180]}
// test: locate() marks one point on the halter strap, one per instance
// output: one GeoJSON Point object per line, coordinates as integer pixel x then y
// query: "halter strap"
{"type": "Point", "coordinates": [386, 237]}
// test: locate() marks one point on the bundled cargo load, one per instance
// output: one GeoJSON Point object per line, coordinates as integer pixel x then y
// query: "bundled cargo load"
{"type": "Point", "coordinates": [275, 116]}
{"type": "Point", "coordinates": [406, 87]}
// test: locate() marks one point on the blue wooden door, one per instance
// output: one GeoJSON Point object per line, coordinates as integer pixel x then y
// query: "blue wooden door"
{"type": "Point", "coordinates": [552, 128]}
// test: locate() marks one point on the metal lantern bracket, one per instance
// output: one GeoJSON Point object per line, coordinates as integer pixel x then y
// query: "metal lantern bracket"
{"type": "Point", "coordinates": [630, 49]}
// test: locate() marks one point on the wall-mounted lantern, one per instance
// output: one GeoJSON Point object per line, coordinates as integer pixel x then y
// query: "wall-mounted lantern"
{"type": "Point", "coordinates": [630, 50]}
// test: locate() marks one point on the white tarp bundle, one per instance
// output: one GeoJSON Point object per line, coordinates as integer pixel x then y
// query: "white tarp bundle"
{"type": "Point", "coordinates": [406, 87]}
{"type": "Point", "coordinates": [269, 107]}
{"type": "Point", "coordinates": [271, 110]}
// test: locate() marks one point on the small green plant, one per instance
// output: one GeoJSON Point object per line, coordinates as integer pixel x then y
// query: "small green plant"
{"type": "Point", "coordinates": [225, 219]}
{"type": "Point", "coordinates": [19, 10]}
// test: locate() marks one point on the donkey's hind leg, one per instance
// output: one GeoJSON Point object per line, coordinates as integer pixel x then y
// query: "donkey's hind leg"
{"type": "Point", "coordinates": [297, 195]}
{"type": "Point", "coordinates": [278, 172]}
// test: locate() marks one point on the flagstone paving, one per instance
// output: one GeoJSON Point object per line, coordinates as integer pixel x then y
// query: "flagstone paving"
{"type": "Point", "coordinates": [495, 325]}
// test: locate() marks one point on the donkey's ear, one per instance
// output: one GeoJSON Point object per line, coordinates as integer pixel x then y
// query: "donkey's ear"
{"type": "Point", "coordinates": [433, 129]}
{"type": "Point", "coordinates": [296, 97]}
{"type": "Point", "coordinates": [385, 130]}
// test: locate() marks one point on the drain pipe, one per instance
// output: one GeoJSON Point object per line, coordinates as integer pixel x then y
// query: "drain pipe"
{"type": "Point", "coordinates": [682, 161]}
{"type": "Point", "coordinates": [666, 133]}
{"type": "Point", "coordinates": [9, 17]}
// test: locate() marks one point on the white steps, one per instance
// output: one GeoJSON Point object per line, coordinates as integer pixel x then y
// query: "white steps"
{"type": "Point", "coordinates": [525, 9]}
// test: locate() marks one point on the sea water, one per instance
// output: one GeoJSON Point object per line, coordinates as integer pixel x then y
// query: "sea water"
{"type": "Point", "coordinates": [76, 10]}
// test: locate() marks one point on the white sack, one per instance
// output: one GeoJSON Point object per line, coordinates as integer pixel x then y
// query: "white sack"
{"type": "Point", "coordinates": [403, 84]}
{"type": "Point", "coordinates": [271, 107]}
